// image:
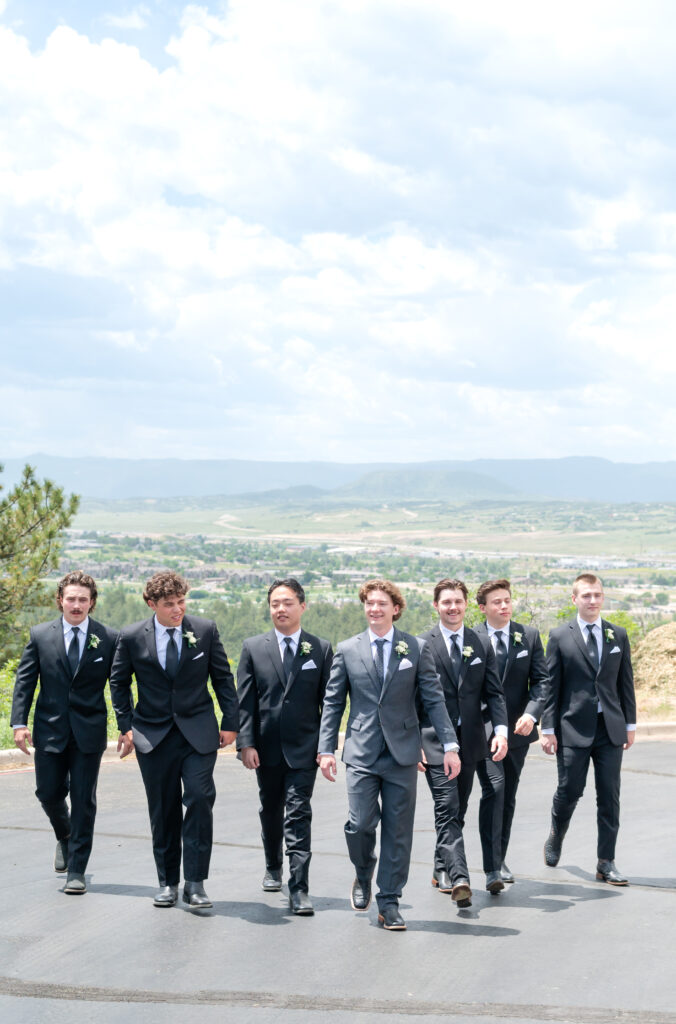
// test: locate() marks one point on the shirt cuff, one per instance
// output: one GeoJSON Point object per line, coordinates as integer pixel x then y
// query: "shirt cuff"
{"type": "Point", "coordinates": [547, 732]}
{"type": "Point", "coordinates": [501, 730]}
{"type": "Point", "coordinates": [527, 714]}
{"type": "Point", "coordinates": [24, 726]}
{"type": "Point", "coordinates": [631, 728]}
{"type": "Point", "coordinates": [451, 746]}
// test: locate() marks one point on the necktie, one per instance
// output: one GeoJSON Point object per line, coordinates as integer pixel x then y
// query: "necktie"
{"type": "Point", "coordinates": [380, 660]}
{"type": "Point", "coordinates": [456, 658]}
{"type": "Point", "coordinates": [171, 664]}
{"type": "Point", "coordinates": [74, 651]}
{"type": "Point", "coordinates": [500, 652]}
{"type": "Point", "coordinates": [591, 646]}
{"type": "Point", "coordinates": [287, 660]}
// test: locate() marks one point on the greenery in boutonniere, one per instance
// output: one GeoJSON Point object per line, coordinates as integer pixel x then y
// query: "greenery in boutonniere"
{"type": "Point", "coordinates": [516, 638]}
{"type": "Point", "coordinates": [609, 635]}
{"type": "Point", "coordinates": [191, 638]}
{"type": "Point", "coordinates": [401, 648]}
{"type": "Point", "coordinates": [305, 648]}
{"type": "Point", "coordinates": [94, 641]}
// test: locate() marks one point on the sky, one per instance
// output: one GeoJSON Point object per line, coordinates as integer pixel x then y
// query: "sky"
{"type": "Point", "coordinates": [346, 230]}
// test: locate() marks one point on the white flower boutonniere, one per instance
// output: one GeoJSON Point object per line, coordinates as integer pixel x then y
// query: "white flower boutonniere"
{"type": "Point", "coordinates": [516, 638]}
{"type": "Point", "coordinates": [305, 648]}
{"type": "Point", "coordinates": [401, 648]}
{"type": "Point", "coordinates": [191, 638]}
{"type": "Point", "coordinates": [609, 635]}
{"type": "Point", "coordinates": [94, 641]}
{"type": "Point", "coordinates": [467, 652]}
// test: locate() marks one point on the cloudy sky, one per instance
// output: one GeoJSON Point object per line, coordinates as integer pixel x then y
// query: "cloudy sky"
{"type": "Point", "coordinates": [338, 229]}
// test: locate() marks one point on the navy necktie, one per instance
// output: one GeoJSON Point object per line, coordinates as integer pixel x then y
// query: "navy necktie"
{"type": "Point", "coordinates": [287, 660]}
{"type": "Point", "coordinates": [171, 664]}
{"type": "Point", "coordinates": [380, 660]}
{"type": "Point", "coordinates": [500, 652]}
{"type": "Point", "coordinates": [591, 646]}
{"type": "Point", "coordinates": [74, 651]}
{"type": "Point", "coordinates": [456, 658]}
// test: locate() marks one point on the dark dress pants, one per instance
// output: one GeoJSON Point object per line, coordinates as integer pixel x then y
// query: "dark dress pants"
{"type": "Point", "coordinates": [512, 766]}
{"type": "Point", "coordinates": [286, 813]}
{"type": "Point", "coordinates": [176, 775]}
{"type": "Point", "coordinates": [449, 852]}
{"type": "Point", "coordinates": [57, 775]}
{"type": "Point", "coordinates": [573, 764]}
{"type": "Point", "coordinates": [492, 779]}
{"type": "Point", "coordinates": [384, 791]}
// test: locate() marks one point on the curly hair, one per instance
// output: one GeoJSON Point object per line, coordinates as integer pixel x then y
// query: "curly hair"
{"type": "Point", "coordinates": [391, 589]}
{"type": "Point", "coordinates": [165, 584]}
{"type": "Point", "coordinates": [79, 579]}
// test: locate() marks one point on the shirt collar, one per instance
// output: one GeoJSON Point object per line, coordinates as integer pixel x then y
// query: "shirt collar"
{"type": "Point", "coordinates": [83, 626]}
{"type": "Point", "coordinates": [583, 625]}
{"type": "Point", "coordinates": [160, 629]}
{"type": "Point", "coordinates": [498, 629]}
{"type": "Point", "coordinates": [388, 636]}
{"type": "Point", "coordinates": [281, 637]}
{"type": "Point", "coordinates": [448, 633]}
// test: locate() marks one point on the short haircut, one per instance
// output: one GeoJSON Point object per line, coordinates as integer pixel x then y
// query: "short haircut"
{"type": "Point", "coordinates": [489, 586]}
{"type": "Point", "coordinates": [391, 589]}
{"type": "Point", "coordinates": [292, 584]}
{"type": "Point", "coordinates": [449, 585]}
{"type": "Point", "coordinates": [165, 584]}
{"type": "Point", "coordinates": [586, 577]}
{"type": "Point", "coordinates": [78, 579]}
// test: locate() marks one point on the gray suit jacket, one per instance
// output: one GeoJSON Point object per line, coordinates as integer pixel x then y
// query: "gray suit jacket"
{"type": "Point", "coordinates": [382, 714]}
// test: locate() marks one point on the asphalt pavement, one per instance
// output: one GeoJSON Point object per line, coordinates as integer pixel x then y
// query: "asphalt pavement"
{"type": "Point", "coordinates": [555, 946]}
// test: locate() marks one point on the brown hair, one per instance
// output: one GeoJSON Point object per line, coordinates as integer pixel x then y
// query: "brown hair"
{"type": "Point", "coordinates": [165, 584]}
{"type": "Point", "coordinates": [449, 585]}
{"type": "Point", "coordinates": [79, 579]}
{"type": "Point", "coordinates": [391, 589]}
{"type": "Point", "coordinates": [586, 577]}
{"type": "Point", "coordinates": [489, 586]}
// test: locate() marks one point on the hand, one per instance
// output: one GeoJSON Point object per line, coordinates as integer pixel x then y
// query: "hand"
{"type": "Point", "coordinates": [226, 738]}
{"type": "Point", "coordinates": [22, 737]}
{"type": "Point", "coordinates": [422, 762]}
{"type": "Point", "coordinates": [631, 736]}
{"type": "Point", "coordinates": [327, 763]}
{"type": "Point", "coordinates": [452, 764]}
{"type": "Point", "coordinates": [499, 748]}
{"type": "Point", "coordinates": [549, 744]}
{"type": "Point", "coordinates": [250, 758]}
{"type": "Point", "coordinates": [524, 726]}
{"type": "Point", "coordinates": [125, 743]}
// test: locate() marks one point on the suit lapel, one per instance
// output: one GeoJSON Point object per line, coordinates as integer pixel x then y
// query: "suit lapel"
{"type": "Point", "coordinates": [439, 645]}
{"type": "Point", "coordinates": [468, 640]}
{"type": "Point", "coordinates": [296, 663]}
{"type": "Point", "coordinates": [272, 648]}
{"type": "Point", "coordinates": [60, 646]}
{"type": "Point", "coordinates": [394, 662]}
{"type": "Point", "coordinates": [151, 644]}
{"type": "Point", "coordinates": [184, 628]}
{"type": "Point", "coordinates": [365, 653]}
{"type": "Point", "coordinates": [605, 647]}
{"type": "Point", "coordinates": [579, 640]}
{"type": "Point", "coordinates": [511, 650]}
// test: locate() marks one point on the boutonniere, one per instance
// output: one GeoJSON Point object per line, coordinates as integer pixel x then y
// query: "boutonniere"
{"type": "Point", "coordinates": [401, 648]}
{"type": "Point", "coordinates": [467, 652]}
{"type": "Point", "coordinates": [305, 648]}
{"type": "Point", "coordinates": [609, 635]}
{"type": "Point", "coordinates": [94, 641]}
{"type": "Point", "coordinates": [191, 638]}
{"type": "Point", "coordinates": [516, 638]}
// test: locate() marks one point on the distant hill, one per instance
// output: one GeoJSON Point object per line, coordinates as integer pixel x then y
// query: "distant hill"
{"type": "Point", "coordinates": [569, 479]}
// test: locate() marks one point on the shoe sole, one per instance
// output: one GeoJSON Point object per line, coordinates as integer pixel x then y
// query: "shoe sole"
{"type": "Point", "coordinates": [463, 904]}
{"type": "Point", "coordinates": [197, 906]}
{"type": "Point", "coordinates": [495, 887]}
{"type": "Point", "coordinates": [601, 878]}
{"type": "Point", "coordinates": [74, 892]}
{"type": "Point", "coordinates": [164, 903]}
{"type": "Point", "coordinates": [272, 888]}
{"type": "Point", "coordinates": [439, 887]}
{"type": "Point", "coordinates": [391, 927]}
{"type": "Point", "coordinates": [461, 892]}
{"type": "Point", "coordinates": [302, 913]}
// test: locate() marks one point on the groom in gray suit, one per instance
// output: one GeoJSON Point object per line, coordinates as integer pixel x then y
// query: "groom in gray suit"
{"type": "Point", "coordinates": [381, 670]}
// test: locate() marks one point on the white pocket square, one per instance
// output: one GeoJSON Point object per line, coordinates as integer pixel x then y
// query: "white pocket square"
{"type": "Point", "coordinates": [615, 650]}
{"type": "Point", "coordinates": [477, 661]}
{"type": "Point", "coordinates": [308, 664]}
{"type": "Point", "coordinates": [522, 654]}
{"type": "Point", "coordinates": [405, 663]}
{"type": "Point", "coordinates": [97, 659]}
{"type": "Point", "coordinates": [200, 655]}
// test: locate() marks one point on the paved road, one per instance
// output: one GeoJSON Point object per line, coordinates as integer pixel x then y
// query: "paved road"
{"type": "Point", "coordinates": [556, 946]}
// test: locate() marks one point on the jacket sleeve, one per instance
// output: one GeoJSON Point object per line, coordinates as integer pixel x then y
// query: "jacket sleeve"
{"type": "Point", "coordinates": [247, 694]}
{"type": "Point", "coordinates": [538, 678]}
{"type": "Point", "coordinates": [550, 715]}
{"type": "Point", "coordinates": [335, 699]}
{"type": "Point", "coordinates": [223, 684]}
{"type": "Point", "coordinates": [27, 675]}
{"type": "Point", "coordinates": [431, 695]}
{"type": "Point", "coordinates": [120, 684]}
{"type": "Point", "coordinates": [625, 684]}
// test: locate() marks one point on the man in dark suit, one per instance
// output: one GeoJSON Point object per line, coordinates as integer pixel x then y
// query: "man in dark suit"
{"type": "Point", "coordinates": [71, 657]}
{"type": "Point", "coordinates": [281, 679]}
{"type": "Point", "coordinates": [382, 670]}
{"type": "Point", "coordinates": [590, 714]}
{"type": "Point", "coordinates": [469, 677]}
{"type": "Point", "coordinates": [174, 730]}
{"type": "Point", "coordinates": [522, 669]}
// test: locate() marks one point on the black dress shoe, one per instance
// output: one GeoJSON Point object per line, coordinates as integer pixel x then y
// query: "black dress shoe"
{"type": "Point", "coordinates": [166, 897]}
{"type": "Point", "coordinates": [463, 904]}
{"type": "Point", "coordinates": [75, 884]}
{"type": "Point", "coordinates": [442, 881]}
{"type": "Point", "coordinates": [607, 872]}
{"type": "Point", "coordinates": [61, 855]}
{"type": "Point", "coordinates": [461, 892]}
{"type": "Point", "coordinates": [195, 896]}
{"type": "Point", "coordinates": [300, 903]}
{"type": "Point", "coordinates": [505, 874]}
{"type": "Point", "coordinates": [360, 897]}
{"type": "Point", "coordinates": [272, 880]}
{"type": "Point", "coordinates": [494, 882]}
{"type": "Point", "coordinates": [390, 918]}
{"type": "Point", "coordinates": [553, 845]}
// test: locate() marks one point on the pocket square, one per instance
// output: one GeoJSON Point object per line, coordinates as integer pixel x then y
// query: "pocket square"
{"type": "Point", "coordinates": [522, 654]}
{"type": "Point", "coordinates": [477, 661]}
{"type": "Point", "coordinates": [97, 659]}
{"type": "Point", "coordinates": [308, 664]}
{"type": "Point", "coordinates": [615, 650]}
{"type": "Point", "coordinates": [405, 663]}
{"type": "Point", "coordinates": [200, 655]}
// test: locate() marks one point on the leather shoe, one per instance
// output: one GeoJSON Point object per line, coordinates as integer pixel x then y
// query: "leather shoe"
{"type": "Point", "coordinates": [461, 892]}
{"type": "Point", "coordinates": [505, 874]}
{"type": "Point", "coordinates": [61, 855]}
{"type": "Point", "coordinates": [75, 884]}
{"type": "Point", "coordinates": [607, 872]}
{"type": "Point", "coordinates": [494, 883]}
{"type": "Point", "coordinates": [300, 903]}
{"type": "Point", "coordinates": [360, 897]}
{"type": "Point", "coordinates": [463, 904]}
{"type": "Point", "coordinates": [166, 897]}
{"type": "Point", "coordinates": [390, 918]}
{"type": "Point", "coordinates": [272, 880]}
{"type": "Point", "coordinates": [195, 896]}
{"type": "Point", "coordinates": [442, 881]}
{"type": "Point", "coordinates": [553, 845]}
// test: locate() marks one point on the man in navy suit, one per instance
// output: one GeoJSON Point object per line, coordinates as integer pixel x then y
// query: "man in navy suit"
{"type": "Point", "coordinates": [71, 658]}
{"type": "Point", "coordinates": [174, 730]}
{"type": "Point", "coordinates": [590, 714]}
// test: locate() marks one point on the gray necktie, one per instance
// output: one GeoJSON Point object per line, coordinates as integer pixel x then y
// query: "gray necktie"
{"type": "Point", "coordinates": [287, 660]}
{"type": "Point", "coordinates": [591, 646]}
{"type": "Point", "coordinates": [456, 658]}
{"type": "Point", "coordinates": [171, 664]}
{"type": "Point", "coordinates": [74, 651]}
{"type": "Point", "coordinates": [380, 660]}
{"type": "Point", "coordinates": [500, 652]}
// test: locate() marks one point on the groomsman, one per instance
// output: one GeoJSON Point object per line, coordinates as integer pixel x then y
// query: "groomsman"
{"type": "Point", "coordinates": [70, 657]}
{"type": "Point", "coordinates": [469, 678]}
{"type": "Point", "coordinates": [590, 714]}
{"type": "Point", "coordinates": [281, 679]}
{"type": "Point", "coordinates": [174, 730]}
{"type": "Point", "coordinates": [381, 670]}
{"type": "Point", "coordinates": [522, 669]}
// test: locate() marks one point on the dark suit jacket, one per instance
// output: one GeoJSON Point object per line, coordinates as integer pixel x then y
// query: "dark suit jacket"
{"type": "Point", "coordinates": [575, 687]}
{"type": "Point", "coordinates": [280, 719]}
{"type": "Point", "coordinates": [382, 713]}
{"type": "Point", "coordinates": [65, 702]}
{"type": "Point", "coordinates": [185, 700]}
{"type": "Point", "coordinates": [525, 679]}
{"type": "Point", "coordinates": [478, 682]}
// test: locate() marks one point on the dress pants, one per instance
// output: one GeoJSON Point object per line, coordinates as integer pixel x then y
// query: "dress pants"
{"type": "Point", "coordinates": [57, 775]}
{"type": "Point", "coordinates": [384, 791]}
{"type": "Point", "coordinates": [176, 775]}
{"type": "Point", "coordinates": [286, 813]}
{"type": "Point", "coordinates": [573, 764]}
{"type": "Point", "coordinates": [492, 779]}
{"type": "Point", "coordinates": [512, 767]}
{"type": "Point", "coordinates": [449, 852]}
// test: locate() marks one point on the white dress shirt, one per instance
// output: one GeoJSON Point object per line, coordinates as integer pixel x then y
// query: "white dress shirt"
{"type": "Point", "coordinates": [162, 640]}
{"type": "Point", "coordinates": [283, 637]}
{"type": "Point", "coordinates": [82, 628]}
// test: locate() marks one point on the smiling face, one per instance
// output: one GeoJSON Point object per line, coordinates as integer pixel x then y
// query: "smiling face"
{"type": "Point", "coordinates": [286, 610]}
{"type": "Point", "coordinates": [498, 608]}
{"type": "Point", "coordinates": [451, 606]}
{"type": "Point", "coordinates": [169, 610]}
{"type": "Point", "coordinates": [75, 603]}
{"type": "Point", "coordinates": [380, 610]}
{"type": "Point", "coordinates": [588, 599]}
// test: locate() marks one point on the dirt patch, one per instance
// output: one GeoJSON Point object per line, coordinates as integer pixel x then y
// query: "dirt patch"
{"type": "Point", "coordinates": [654, 659]}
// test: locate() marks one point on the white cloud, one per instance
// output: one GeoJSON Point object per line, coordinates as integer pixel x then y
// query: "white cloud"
{"type": "Point", "coordinates": [133, 20]}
